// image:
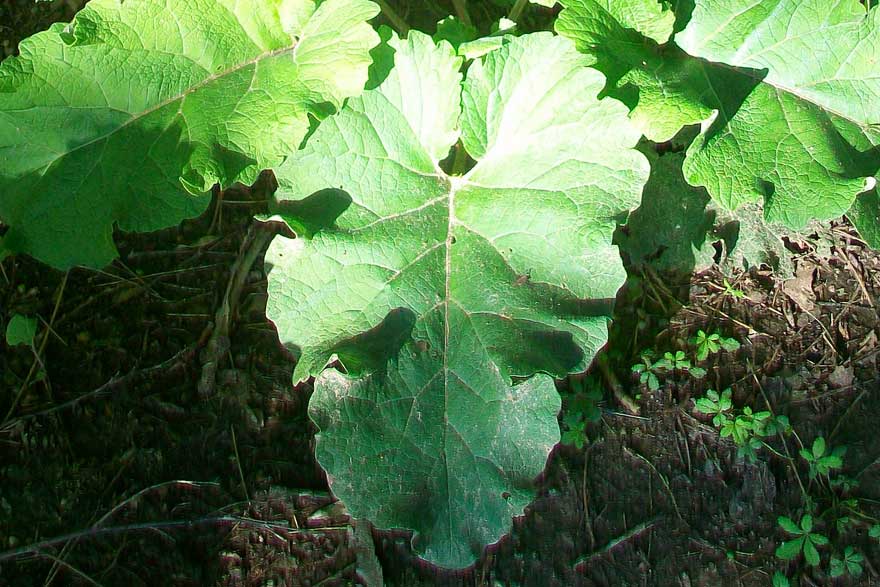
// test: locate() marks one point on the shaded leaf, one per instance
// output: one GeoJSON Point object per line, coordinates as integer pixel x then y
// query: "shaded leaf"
{"type": "Point", "coordinates": [21, 330]}
{"type": "Point", "coordinates": [130, 113]}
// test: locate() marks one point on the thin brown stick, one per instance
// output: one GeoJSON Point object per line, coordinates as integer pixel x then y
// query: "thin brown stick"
{"type": "Point", "coordinates": [258, 238]}
{"type": "Point", "coordinates": [165, 368]}
{"type": "Point", "coordinates": [632, 533]}
{"type": "Point", "coordinates": [393, 17]}
{"type": "Point", "coordinates": [462, 12]}
{"type": "Point", "coordinates": [619, 394]}
{"type": "Point", "coordinates": [38, 547]}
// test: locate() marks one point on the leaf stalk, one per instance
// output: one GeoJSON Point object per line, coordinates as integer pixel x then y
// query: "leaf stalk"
{"type": "Point", "coordinates": [517, 10]}
{"type": "Point", "coordinates": [392, 16]}
{"type": "Point", "coordinates": [462, 12]}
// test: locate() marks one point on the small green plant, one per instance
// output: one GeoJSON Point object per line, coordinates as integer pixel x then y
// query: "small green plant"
{"type": "Point", "coordinates": [822, 459]}
{"type": "Point", "coordinates": [583, 408]}
{"type": "Point", "coordinates": [746, 428]}
{"type": "Point", "coordinates": [842, 523]}
{"type": "Point", "coordinates": [874, 532]}
{"type": "Point", "coordinates": [709, 344]}
{"type": "Point", "coordinates": [843, 482]}
{"type": "Point", "coordinates": [575, 433]}
{"type": "Point", "coordinates": [849, 563]}
{"type": "Point", "coordinates": [715, 405]}
{"type": "Point", "coordinates": [806, 540]}
{"type": "Point", "coordinates": [647, 370]}
{"type": "Point", "coordinates": [780, 580]}
{"type": "Point", "coordinates": [676, 360]}
{"type": "Point", "coordinates": [729, 290]}
{"type": "Point", "coordinates": [679, 361]}
{"type": "Point", "coordinates": [21, 330]}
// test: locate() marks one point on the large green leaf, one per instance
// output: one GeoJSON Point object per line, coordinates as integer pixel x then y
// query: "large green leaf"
{"type": "Point", "coordinates": [131, 112]}
{"type": "Point", "coordinates": [652, 18]}
{"type": "Point", "coordinates": [797, 135]}
{"type": "Point", "coordinates": [802, 142]}
{"type": "Point", "coordinates": [664, 88]}
{"type": "Point", "coordinates": [435, 291]}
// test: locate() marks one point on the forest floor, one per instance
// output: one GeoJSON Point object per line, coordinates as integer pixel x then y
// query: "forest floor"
{"type": "Point", "coordinates": [116, 470]}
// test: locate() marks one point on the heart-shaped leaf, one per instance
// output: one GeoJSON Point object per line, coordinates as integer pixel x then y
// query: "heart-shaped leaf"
{"type": "Point", "coordinates": [435, 290]}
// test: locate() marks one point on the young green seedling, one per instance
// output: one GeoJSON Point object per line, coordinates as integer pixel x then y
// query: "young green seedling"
{"type": "Point", "coordinates": [844, 483]}
{"type": "Point", "coordinates": [575, 433]}
{"type": "Point", "coordinates": [709, 344]}
{"type": "Point", "coordinates": [806, 540]}
{"type": "Point", "coordinates": [747, 428]}
{"type": "Point", "coordinates": [715, 405]}
{"type": "Point", "coordinates": [821, 459]}
{"type": "Point", "coordinates": [729, 290]}
{"type": "Point", "coordinates": [676, 360]}
{"type": "Point", "coordinates": [850, 563]}
{"type": "Point", "coordinates": [647, 369]}
{"type": "Point", "coordinates": [679, 361]}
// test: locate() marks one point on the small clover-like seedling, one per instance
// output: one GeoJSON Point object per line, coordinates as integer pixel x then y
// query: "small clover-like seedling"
{"type": "Point", "coordinates": [850, 563]}
{"type": "Point", "coordinates": [842, 523]}
{"type": "Point", "coordinates": [874, 532]}
{"type": "Point", "coordinates": [676, 360]}
{"type": "Point", "coordinates": [747, 428]}
{"type": "Point", "coordinates": [739, 428]}
{"type": "Point", "coordinates": [771, 426]}
{"type": "Point", "coordinates": [588, 394]}
{"type": "Point", "coordinates": [821, 459]}
{"type": "Point", "coordinates": [708, 344]}
{"type": "Point", "coordinates": [749, 450]}
{"type": "Point", "coordinates": [716, 406]}
{"type": "Point", "coordinates": [806, 540]}
{"type": "Point", "coordinates": [647, 369]}
{"type": "Point", "coordinates": [679, 361]}
{"type": "Point", "coordinates": [575, 433]}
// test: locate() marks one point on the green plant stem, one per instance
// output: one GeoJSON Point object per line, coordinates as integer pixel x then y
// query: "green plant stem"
{"type": "Point", "coordinates": [395, 19]}
{"type": "Point", "coordinates": [462, 12]}
{"type": "Point", "coordinates": [517, 10]}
